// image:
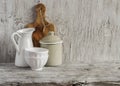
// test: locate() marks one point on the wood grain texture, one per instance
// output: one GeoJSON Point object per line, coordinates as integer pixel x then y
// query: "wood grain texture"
{"type": "Point", "coordinates": [90, 29]}
{"type": "Point", "coordinates": [71, 74]}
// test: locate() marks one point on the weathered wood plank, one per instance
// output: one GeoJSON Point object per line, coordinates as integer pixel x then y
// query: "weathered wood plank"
{"type": "Point", "coordinates": [90, 29]}
{"type": "Point", "coordinates": [99, 74]}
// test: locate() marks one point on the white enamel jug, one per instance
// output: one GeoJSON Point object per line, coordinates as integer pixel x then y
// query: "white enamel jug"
{"type": "Point", "coordinates": [24, 40]}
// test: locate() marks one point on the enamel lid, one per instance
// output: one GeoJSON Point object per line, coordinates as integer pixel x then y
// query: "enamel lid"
{"type": "Point", "coordinates": [51, 38]}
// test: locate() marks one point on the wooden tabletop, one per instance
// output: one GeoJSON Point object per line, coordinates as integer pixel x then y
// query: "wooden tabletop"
{"type": "Point", "coordinates": [69, 74]}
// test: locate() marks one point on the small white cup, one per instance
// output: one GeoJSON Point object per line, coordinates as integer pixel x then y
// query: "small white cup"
{"type": "Point", "coordinates": [36, 58]}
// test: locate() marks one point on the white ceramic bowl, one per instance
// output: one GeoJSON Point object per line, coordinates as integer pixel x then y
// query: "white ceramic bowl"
{"type": "Point", "coordinates": [36, 58]}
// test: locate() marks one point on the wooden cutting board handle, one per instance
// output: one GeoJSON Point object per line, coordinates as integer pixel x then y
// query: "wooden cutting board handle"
{"type": "Point", "coordinates": [41, 25]}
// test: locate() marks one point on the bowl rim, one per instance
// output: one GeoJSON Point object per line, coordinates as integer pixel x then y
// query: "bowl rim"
{"type": "Point", "coordinates": [41, 50]}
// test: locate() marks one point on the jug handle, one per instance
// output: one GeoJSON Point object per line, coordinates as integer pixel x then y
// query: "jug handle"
{"type": "Point", "coordinates": [14, 41]}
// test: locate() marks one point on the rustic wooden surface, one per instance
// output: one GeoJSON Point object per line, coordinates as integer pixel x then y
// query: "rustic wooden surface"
{"type": "Point", "coordinates": [99, 74]}
{"type": "Point", "coordinates": [90, 29]}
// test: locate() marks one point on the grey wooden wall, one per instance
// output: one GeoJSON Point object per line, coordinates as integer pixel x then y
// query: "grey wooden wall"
{"type": "Point", "coordinates": [90, 28]}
